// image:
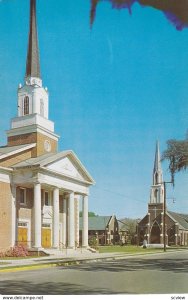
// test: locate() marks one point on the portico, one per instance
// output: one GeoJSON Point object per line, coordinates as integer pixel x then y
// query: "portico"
{"type": "Point", "coordinates": [54, 200]}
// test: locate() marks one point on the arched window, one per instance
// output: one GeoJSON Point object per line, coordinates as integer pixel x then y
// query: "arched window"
{"type": "Point", "coordinates": [156, 196]}
{"type": "Point", "coordinates": [26, 106]}
{"type": "Point", "coordinates": [42, 107]}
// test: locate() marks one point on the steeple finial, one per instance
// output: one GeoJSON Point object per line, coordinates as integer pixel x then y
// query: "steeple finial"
{"type": "Point", "coordinates": [157, 170]}
{"type": "Point", "coordinates": [33, 65]}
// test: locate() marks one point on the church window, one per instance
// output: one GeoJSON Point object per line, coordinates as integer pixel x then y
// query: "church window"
{"type": "Point", "coordinates": [26, 106]}
{"type": "Point", "coordinates": [42, 107]}
{"type": "Point", "coordinates": [46, 225]}
{"type": "Point", "coordinates": [22, 196]}
{"type": "Point", "coordinates": [47, 199]}
{"type": "Point", "coordinates": [156, 195]}
{"type": "Point", "coordinates": [22, 224]}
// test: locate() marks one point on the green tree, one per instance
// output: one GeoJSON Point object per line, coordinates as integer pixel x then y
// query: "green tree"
{"type": "Point", "coordinates": [177, 155]}
{"type": "Point", "coordinates": [90, 214]}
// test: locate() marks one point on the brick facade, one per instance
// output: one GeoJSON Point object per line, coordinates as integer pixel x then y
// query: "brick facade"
{"type": "Point", "coordinates": [5, 216]}
{"type": "Point", "coordinates": [151, 228]}
{"type": "Point", "coordinates": [34, 137]}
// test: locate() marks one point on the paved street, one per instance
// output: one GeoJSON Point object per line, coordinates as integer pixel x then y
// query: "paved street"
{"type": "Point", "coordinates": [158, 273]}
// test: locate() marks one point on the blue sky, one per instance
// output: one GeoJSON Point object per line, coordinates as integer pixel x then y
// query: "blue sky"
{"type": "Point", "coordinates": [114, 90]}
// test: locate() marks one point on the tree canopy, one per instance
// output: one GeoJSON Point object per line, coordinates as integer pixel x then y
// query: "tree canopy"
{"type": "Point", "coordinates": [90, 214]}
{"type": "Point", "coordinates": [177, 155]}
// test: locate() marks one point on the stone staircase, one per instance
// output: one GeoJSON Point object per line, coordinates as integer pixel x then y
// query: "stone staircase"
{"type": "Point", "coordinates": [65, 252]}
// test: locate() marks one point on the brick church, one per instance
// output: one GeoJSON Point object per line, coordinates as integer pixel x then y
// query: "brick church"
{"type": "Point", "coordinates": [150, 228]}
{"type": "Point", "coordinates": [40, 188]}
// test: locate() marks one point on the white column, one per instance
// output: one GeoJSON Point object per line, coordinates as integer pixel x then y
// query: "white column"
{"type": "Point", "coordinates": [85, 221]}
{"type": "Point", "coordinates": [56, 218]}
{"type": "Point", "coordinates": [37, 215]}
{"type": "Point", "coordinates": [77, 198]}
{"type": "Point", "coordinates": [64, 220]}
{"type": "Point", "coordinates": [14, 219]}
{"type": "Point", "coordinates": [71, 238]}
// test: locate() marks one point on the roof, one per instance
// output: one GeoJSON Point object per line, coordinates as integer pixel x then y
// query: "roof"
{"type": "Point", "coordinates": [97, 223]}
{"type": "Point", "coordinates": [6, 151]}
{"type": "Point", "coordinates": [41, 160]}
{"type": "Point", "coordinates": [126, 223]}
{"type": "Point", "coordinates": [182, 219]}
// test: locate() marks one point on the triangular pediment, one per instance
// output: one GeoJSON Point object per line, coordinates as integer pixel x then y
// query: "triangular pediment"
{"type": "Point", "coordinates": [70, 165]}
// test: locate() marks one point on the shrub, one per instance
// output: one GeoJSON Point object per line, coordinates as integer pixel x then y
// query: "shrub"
{"type": "Point", "coordinates": [17, 251]}
{"type": "Point", "coordinates": [93, 242]}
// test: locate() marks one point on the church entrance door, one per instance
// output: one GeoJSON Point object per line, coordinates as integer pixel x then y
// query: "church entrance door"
{"type": "Point", "coordinates": [46, 237]}
{"type": "Point", "coordinates": [22, 236]}
{"type": "Point", "coordinates": [155, 234]}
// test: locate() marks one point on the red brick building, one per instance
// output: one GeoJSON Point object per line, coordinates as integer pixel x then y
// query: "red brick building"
{"type": "Point", "coordinates": [151, 227]}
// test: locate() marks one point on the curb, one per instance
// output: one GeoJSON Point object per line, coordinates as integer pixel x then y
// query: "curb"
{"type": "Point", "coordinates": [69, 262]}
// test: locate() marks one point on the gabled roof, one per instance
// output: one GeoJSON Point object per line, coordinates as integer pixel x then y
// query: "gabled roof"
{"type": "Point", "coordinates": [124, 224]}
{"type": "Point", "coordinates": [181, 219]}
{"type": "Point", "coordinates": [46, 160]}
{"type": "Point", "coordinates": [97, 223]}
{"type": "Point", "coordinates": [7, 151]}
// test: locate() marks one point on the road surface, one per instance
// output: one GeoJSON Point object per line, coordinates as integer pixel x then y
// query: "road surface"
{"type": "Point", "coordinates": [149, 274]}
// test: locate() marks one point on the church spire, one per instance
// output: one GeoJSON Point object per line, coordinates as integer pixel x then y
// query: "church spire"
{"type": "Point", "coordinates": [33, 65]}
{"type": "Point", "coordinates": [157, 189]}
{"type": "Point", "coordinates": [157, 170]}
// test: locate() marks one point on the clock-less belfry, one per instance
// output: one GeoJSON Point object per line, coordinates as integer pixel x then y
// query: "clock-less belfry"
{"type": "Point", "coordinates": [40, 188]}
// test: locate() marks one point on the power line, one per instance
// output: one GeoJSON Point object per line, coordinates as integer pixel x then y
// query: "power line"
{"type": "Point", "coordinates": [118, 194]}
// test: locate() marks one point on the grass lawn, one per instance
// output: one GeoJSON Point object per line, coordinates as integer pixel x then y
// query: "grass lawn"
{"type": "Point", "coordinates": [130, 249]}
{"type": "Point", "coordinates": [126, 249]}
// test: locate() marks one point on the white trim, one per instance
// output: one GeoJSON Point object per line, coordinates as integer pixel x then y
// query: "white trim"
{"type": "Point", "coordinates": [75, 159]}
{"type": "Point", "coordinates": [52, 172]}
{"type": "Point", "coordinates": [31, 129]}
{"type": "Point", "coordinates": [17, 151]}
{"type": "Point", "coordinates": [4, 177]}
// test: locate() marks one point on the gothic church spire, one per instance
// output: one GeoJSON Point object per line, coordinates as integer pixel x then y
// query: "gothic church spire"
{"type": "Point", "coordinates": [33, 65]}
{"type": "Point", "coordinates": [157, 170]}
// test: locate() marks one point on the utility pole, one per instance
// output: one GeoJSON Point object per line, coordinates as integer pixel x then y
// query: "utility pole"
{"type": "Point", "coordinates": [164, 214]}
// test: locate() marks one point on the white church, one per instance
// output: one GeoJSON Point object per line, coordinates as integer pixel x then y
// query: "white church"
{"type": "Point", "coordinates": [40, 188]}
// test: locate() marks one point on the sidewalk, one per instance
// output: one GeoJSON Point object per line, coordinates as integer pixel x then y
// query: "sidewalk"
{"type": "Point", "coordinates": [70, 257]}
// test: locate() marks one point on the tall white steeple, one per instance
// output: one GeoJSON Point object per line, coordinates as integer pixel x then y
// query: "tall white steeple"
{"type": "Point", "coordinates": [32, 123]}
{"type": "Point", "coordinates": [157, 193]}
{"type": "Point", "coordinates": [32, 97]}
